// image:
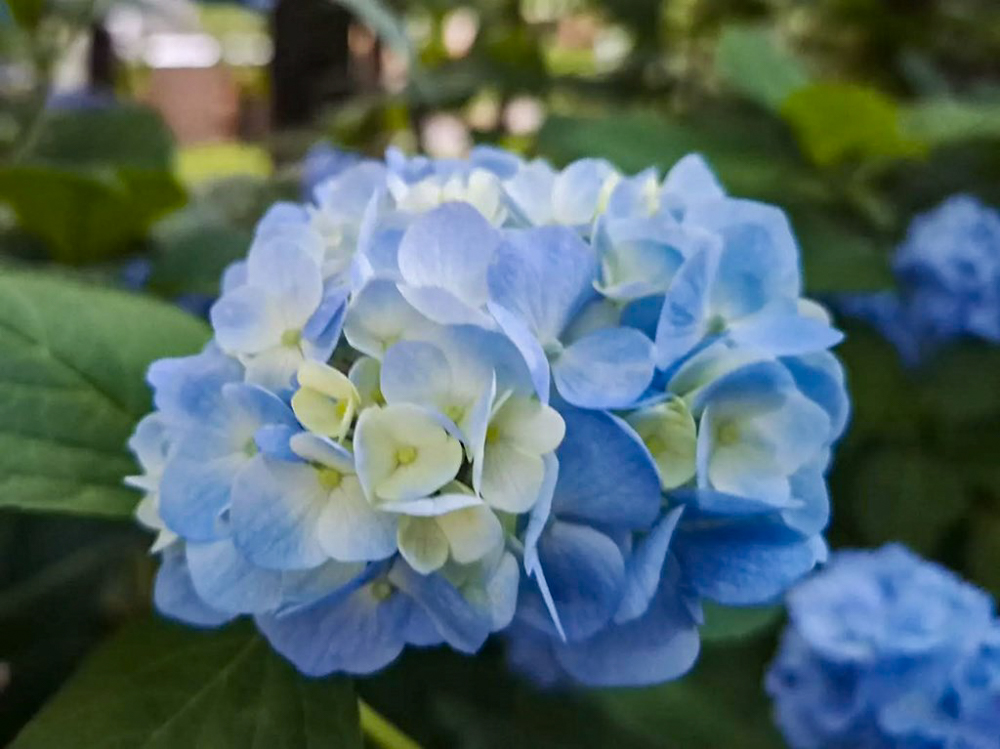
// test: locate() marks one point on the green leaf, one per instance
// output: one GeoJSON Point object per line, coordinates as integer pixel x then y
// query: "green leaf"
{"type": "Point", "coordinates": [944, 121]}
{"type": "Point", "coordinates": [724, 623]}
{"type": "Point", "coordinates": [160, 686]}
{"type": "Point", "coordinates": [125, 135]}
{"type": "Point", "coordinates": [904, 494]}
{"type": "Point", "coordinates": [73, 360]}
{"type": "Point", "coordinates": [94, 181]}
{"type": "Point", "coordinates": [87, 215]}
{"type": "Point", "coordinates": [27, 13]}
{"type": "Point", "coordinates": [835, 122]}
{"type": "Point", "coordinates": [752, 63]}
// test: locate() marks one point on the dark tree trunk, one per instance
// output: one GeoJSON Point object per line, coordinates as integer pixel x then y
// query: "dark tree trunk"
{"type": "Point", "coordinates": [311, 65]}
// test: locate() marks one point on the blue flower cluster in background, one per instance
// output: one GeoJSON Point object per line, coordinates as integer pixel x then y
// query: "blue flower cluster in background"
{"type": "Point", "coordinates": [888, 650]}
{"type": "Point", "coordinates": [446, 399]}
{"type": "Point", "coordinates": [948, 273]}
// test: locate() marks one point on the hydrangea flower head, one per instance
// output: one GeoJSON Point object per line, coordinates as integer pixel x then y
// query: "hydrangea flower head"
{"type": "Point", "coordinates": [447, 399]}
{"type": "Point", "coordinates": [887, 650]}
{"type": "Point", "coordinates": [948, 273]}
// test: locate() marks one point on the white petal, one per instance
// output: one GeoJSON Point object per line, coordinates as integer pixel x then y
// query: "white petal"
{"type": "Point", "coordinates": [351, 530]}
{"type": "Point", "coordinates": [472, 533]}
{"type": "Point", "coordinates": [422, 543]}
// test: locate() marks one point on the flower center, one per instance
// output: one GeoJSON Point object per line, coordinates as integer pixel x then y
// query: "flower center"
{"type": "Point", "coordinates": [716, 325]}
{"type": "Point", "coordinates": [291, 338]}
{"type": "Point", "coordinates": [728, 434]}
{"type": "Point", "coordinates": [655, 444]}
{"type": "Point", "coordinates": [381, 589]}
{"type": "Point", "coordinates": [406, 455]}
{"type": "Point", "coordinates": [454, 412]}
{"type": "Point", "coordinates": [330, 478]}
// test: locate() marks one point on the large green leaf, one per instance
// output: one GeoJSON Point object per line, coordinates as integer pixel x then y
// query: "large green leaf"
{"type": "Point", "coordinates": [27, 13]}
{"type": "Point", "coordinates": [160, 686]}
{"type": "Point", "coordinates": [836, 122]}
{"type": "Point", "coordinates": [94, 181]}
{"type": "Point", "coordinates": [72, 385]}
{"type": "Point", "coordinates": [753, 64]}
{"type": "Point", "coordinates": [87, 215]}
{"type": "Point", "coordinates": [125, 135]}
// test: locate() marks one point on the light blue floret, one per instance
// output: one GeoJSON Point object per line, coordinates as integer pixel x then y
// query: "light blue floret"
{"type": "Point", "coordinates": [567, 405]}
{"type": "Point", "coordinates": [887, 650]}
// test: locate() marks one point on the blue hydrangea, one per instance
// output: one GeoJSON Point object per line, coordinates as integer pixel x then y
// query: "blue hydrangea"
{"type": "Point", "coordinates": [885, 649]}
{"type": "Point", "coordinates": [948, 273]}
{"type": "Point", "coordinates": [322, 162]}
{"type": "Point", "coordinates": [447, 399]}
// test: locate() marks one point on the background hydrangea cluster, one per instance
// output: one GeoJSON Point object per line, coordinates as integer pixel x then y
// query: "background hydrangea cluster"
{"type": "Point", "coordinates": [447, 399]}
{"type": "Point", "coordinates": [948, 273]}
{"type": "Point", "coordinates": [888, 650]}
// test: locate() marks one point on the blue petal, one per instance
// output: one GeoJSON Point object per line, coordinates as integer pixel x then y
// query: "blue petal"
{"type": "Point", "coordinates": [258, 405]}
{"type": "Point", "coordinates": [274, 441]}
{"type": "Point", "coordinates": [354, 632]}
{"type": "Point", "coordinates": [543, 276]}
{"type": "Point", "coordinates": [585, 573]}
{"type": "Point", "coordinates": [282, 213]}
{"type": "Point", "coordinates": [275, 509]}
{"type": "Point", "coordinates": [606, 474]}
{"type": "Point", "coordinates": [709, 503]}
{"type": "Point", "coordinates": [782, 334]}
{"type": "Point", "coordinates": [528, 346]}
{"type": "Point", "coordinates": [346, 195]}
{"type": "Point", "coordinates": [691, 180]}
{"type": "Point", "coordinates": [820, 377]}
{"type": "Point", "coordinates": [750, 383]}
{"type": "Point", "coordinates": [643, 314]}
{"type": "Point", "coordinates": [186, 388]}
{"type": "Point", "coordinates": [608, 368]}
{"type": "Point", "coordinates": [810, 490]}
{"type": "Point", "coordinates": [415, 372]}
{"type": "Point", "coordinates": [760, 258]}
{"type": "Point", "coordinates": [323, 328]}
{"type": "Point", "coordinates": [683, 317]}
{"type": "Point", "coordinates": [443, 306]}
{"type": "Point", "coordinates": [194, 492]}
{"type": "Point", "coordinates": [644, 568]}
{"type": "Point", "coordinates": [449, 248]}
{"type": "Point", "coordinates": [530, 193]}
{"type": "Point", "coordinates": [174, 594]}
{"type": "Point", "coordinates": [462, 626]}
{"type": "Point", "coordinates": [743, 564]}
{"type": "Point", "coordinates": [578, 190]}
{"type": "Point", "coordinates": [224, 577]}
{"type": "Point", "coordinates": [243, 321]}
{"type": "Point", "coordinates": [659, 646]}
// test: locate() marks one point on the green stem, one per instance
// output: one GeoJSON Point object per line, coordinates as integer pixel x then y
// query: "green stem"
{"type": "Point", "coordinates": [381, 732]}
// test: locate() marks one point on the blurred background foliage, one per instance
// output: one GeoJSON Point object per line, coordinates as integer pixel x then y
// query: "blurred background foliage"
{"type": "Point", "coordinates": [140, 141]}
